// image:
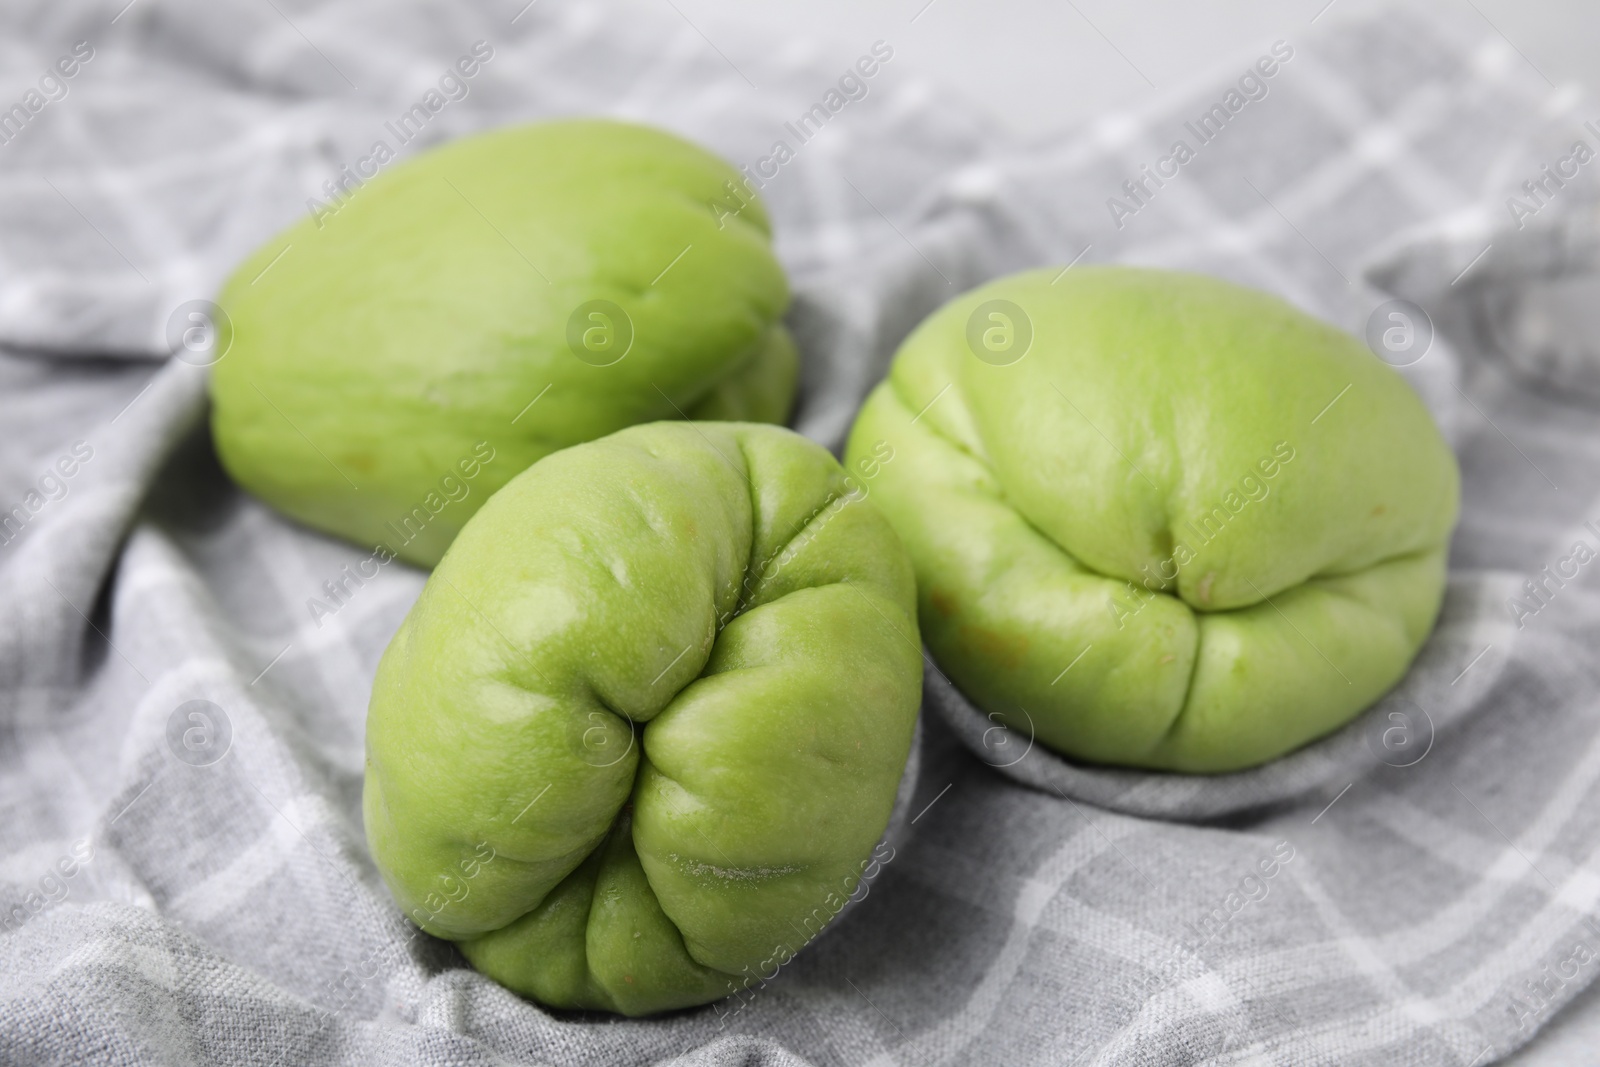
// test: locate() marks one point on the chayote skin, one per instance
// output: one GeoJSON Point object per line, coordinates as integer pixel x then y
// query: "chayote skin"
{"type": "Point", "coordinates": [1158, 519]}
{"type": "Point", "coordinates": [634, 744]}
{"type": "Point", "coordinates": [420, 321]}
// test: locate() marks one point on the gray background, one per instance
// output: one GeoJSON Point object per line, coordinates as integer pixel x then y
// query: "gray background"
{"type": "Point", "coordinates": [1041, 66]}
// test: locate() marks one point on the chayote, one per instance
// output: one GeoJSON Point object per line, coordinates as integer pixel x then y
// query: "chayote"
{"type": "Point", "coordinates": [634, 744]}
{"type": "Point", "coordinates": [1158, 519]}
{"type": "Point", "coordinates": [508, 295]}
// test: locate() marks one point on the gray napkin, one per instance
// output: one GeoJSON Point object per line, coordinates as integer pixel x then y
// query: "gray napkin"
{"type": "Point", "coordinates": [183, 874]}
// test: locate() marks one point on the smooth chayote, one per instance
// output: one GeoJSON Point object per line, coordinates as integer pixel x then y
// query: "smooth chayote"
{"type": "Point", "coordinates": [635, 742]}
{"type": "Point", "coordinates": [1157, 519]}
{"type": "Point", "coordinates": [509, 294]}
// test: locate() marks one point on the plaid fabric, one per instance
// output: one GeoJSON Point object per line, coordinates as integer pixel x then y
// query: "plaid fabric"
{"type": "Point", "coordinates": [184, 874]}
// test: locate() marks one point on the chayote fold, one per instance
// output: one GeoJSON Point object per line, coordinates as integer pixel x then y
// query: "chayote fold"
{"type": "Point", "coordinates": [635, 742]}
{"type": "Point", "coordinates": [1157, 519]}
{"type": "Point", "coordinates": [508, 294]}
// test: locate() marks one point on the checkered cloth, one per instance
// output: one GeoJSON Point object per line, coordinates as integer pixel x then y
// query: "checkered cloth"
{"type": "Point", "coordinates": [184, 874]}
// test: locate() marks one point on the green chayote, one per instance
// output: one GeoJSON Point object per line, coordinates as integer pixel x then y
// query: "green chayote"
{"type": "Point", "coordinates": [1159, 519]}
{"type": "Point", "coordinates": [635, 742]}
{"type": "Point", "coordinates": [515, 293]}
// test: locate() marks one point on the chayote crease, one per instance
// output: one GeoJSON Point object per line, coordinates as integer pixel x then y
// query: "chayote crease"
{"type": "Point", "coordinates": [511, 293]}
{"type": "Point", "coordinates": [1158, 519]}
{"type": "Point", "coordinates": [635, 742]}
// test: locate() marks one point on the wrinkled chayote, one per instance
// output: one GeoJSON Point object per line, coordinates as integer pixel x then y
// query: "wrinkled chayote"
{"type": "Point", "coordinates": [1158, 519]}
{"type": "Point", "coordinates": [635, 742]}
{"type": "Point", "coordinates": [510, 293]}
